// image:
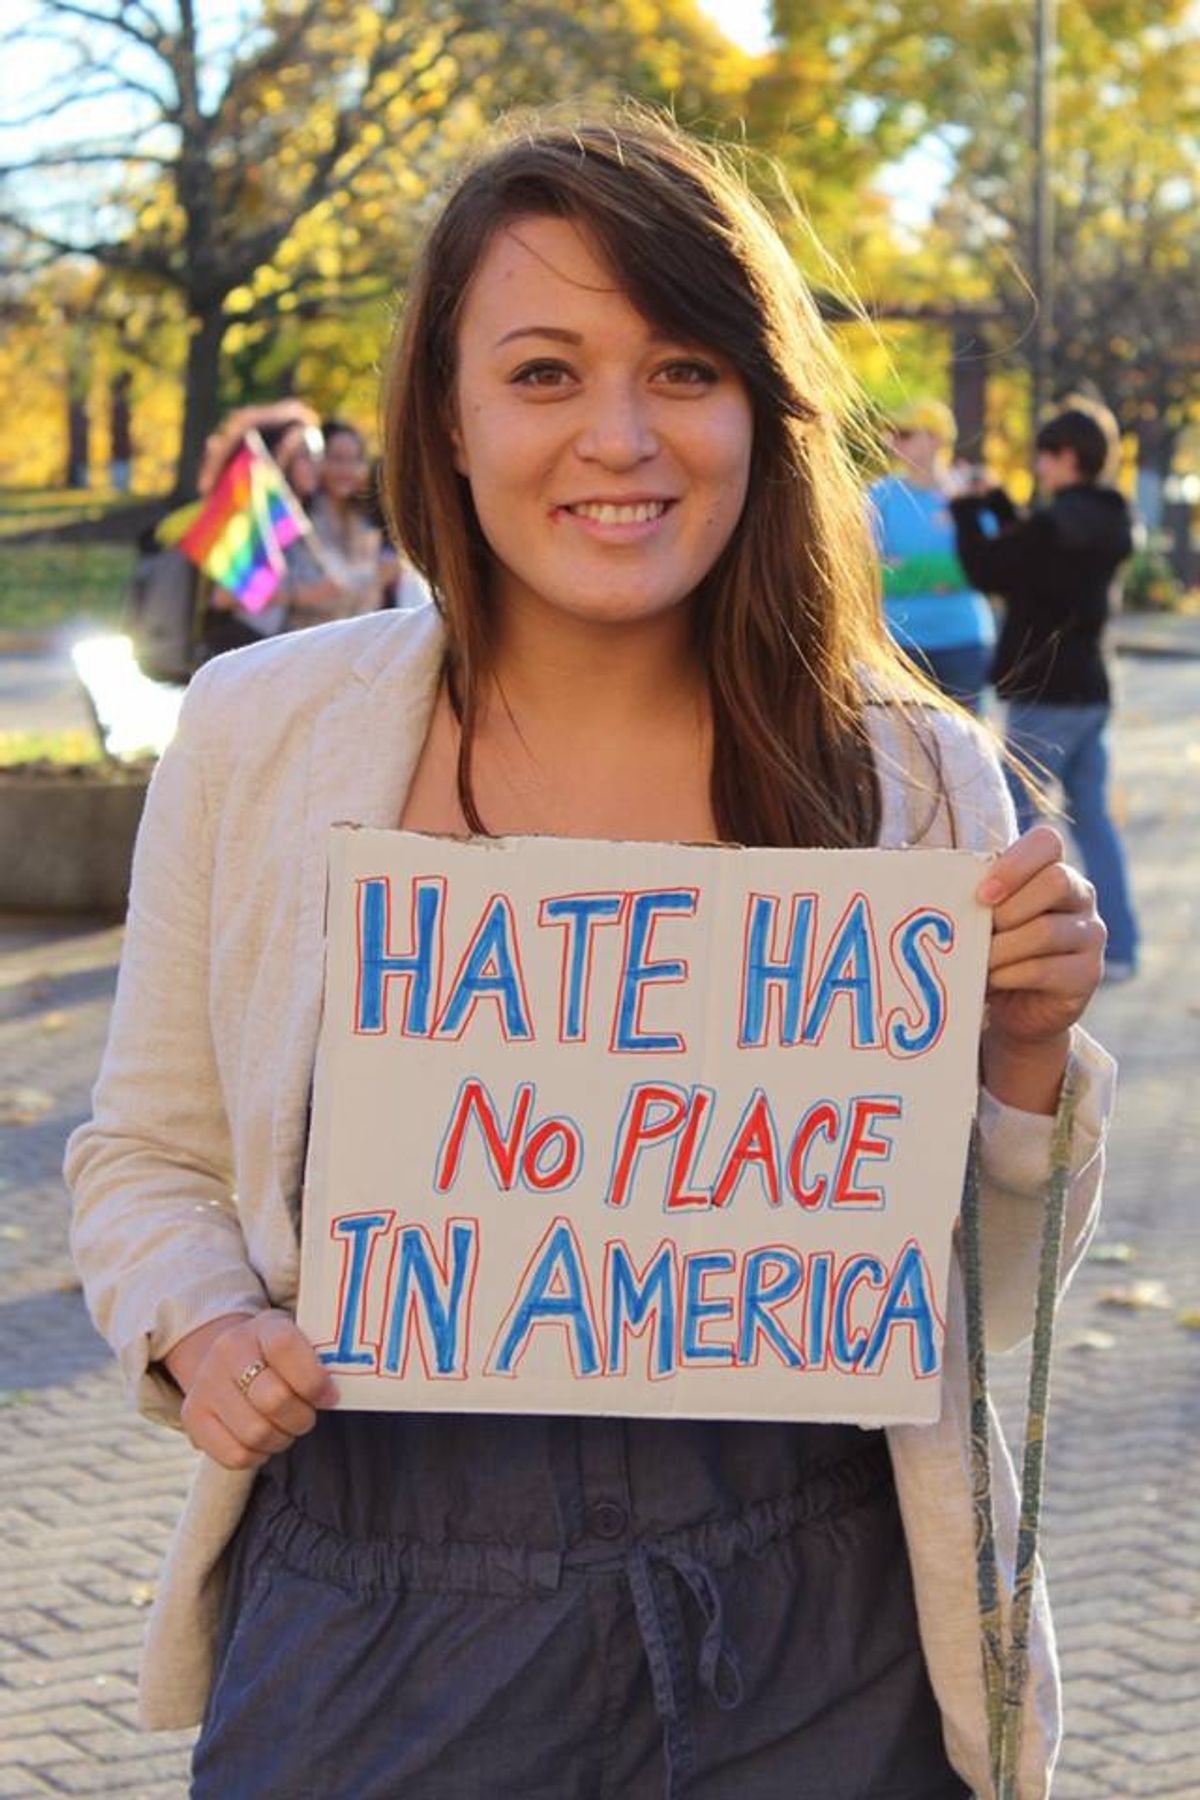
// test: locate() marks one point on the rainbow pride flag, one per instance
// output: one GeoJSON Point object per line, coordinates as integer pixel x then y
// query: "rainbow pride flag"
{"type": "Point", "coordinates": [244, 526]}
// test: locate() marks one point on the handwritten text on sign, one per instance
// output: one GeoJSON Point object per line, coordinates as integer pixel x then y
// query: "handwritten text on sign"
{"type": "Point", "coordinates": [636, 1128]}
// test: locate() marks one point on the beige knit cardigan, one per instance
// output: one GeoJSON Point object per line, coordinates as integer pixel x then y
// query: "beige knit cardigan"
{"type": "Point", "coordinates": [185, 1179]}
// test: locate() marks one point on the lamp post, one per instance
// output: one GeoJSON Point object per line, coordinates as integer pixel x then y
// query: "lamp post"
{"type": "Point", "coordinates": [1043, 208]}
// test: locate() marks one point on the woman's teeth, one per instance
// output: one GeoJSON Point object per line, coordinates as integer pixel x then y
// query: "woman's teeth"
{"type": "Point", "coordinates": [604, 513]}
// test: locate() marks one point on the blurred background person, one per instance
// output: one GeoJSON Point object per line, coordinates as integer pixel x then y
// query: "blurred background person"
{"type": "Point", "coordinates": [290, 433]}
{"type": "Point", "coordinates": [1055, 570]}
{"type": "Point", "coordinates": [930, 608]}
{"type": "Point", "coordinates": [176, 615]}
{"type": "Point", "coordinates": [345, 568]}
{"type": "Point", "coordinates": [404, 588]}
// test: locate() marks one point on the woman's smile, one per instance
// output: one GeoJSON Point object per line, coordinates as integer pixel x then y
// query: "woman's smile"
{"type": "Point", "coordinates": [616, 521]}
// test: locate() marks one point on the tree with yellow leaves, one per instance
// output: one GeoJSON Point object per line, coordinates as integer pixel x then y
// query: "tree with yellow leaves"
{"type": "Point", "coordinates": [281, 174]}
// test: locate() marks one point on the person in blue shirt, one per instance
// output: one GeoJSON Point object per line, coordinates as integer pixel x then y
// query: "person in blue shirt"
{"type": "Point", "coordinates": [930, 608]}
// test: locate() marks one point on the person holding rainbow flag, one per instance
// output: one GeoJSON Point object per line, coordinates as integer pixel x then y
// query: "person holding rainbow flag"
{"type": "Point", "coordinates": [257, 475]}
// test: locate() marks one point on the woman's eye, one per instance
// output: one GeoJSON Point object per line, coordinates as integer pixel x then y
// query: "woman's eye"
{"type": "Point", "coordinates": [540, 374]}
{"type": "Point", "coordinates": [690, 371]}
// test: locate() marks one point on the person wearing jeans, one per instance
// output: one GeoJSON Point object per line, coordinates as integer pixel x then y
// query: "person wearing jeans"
{"type": "Point", "coordinates": [1054, 569]}
{"type": "Point", "coordinates": [1070, 745]}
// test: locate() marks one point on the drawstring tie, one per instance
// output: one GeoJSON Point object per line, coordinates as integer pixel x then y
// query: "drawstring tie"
{"type": "Point", "coordinates": [717, 1666]}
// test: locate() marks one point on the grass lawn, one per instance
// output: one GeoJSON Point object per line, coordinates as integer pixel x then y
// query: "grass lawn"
{"type": "Point", "coordinates": [45, 509]}
{"type": "Point", "coordinates": [47, 580]}
{"type": "Point", "coordinates": [47, 584]}
{"type": "Point", "coordinates": [72, 749]}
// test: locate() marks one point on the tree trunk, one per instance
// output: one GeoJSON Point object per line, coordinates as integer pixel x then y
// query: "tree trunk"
{"type": "Point", "coordinates": [120, 432]}
{"type": "Point", "coordinates": [968, 378]}
{"type": "Point", "coordinates": [201, 404]}
{"type": "Point", "coordinates": [78, 432]}
{"type": "Point", "coordinates": [79, 422]}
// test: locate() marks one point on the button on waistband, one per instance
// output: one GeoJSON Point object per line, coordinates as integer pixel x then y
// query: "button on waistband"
{"type": "Point", "coordinates": [607, 1519]}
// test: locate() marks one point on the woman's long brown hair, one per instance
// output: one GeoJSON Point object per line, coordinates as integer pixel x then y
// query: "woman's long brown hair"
{"type": "Point", "coordinates": [789, 616]}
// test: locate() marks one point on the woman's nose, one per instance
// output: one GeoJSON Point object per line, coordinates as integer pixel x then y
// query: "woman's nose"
{"type": "Point", "coordinates": [618, 431]}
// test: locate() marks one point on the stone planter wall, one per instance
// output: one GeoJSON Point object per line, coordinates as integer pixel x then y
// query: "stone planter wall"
{"type": "Point", "coordinates": [66, 839]}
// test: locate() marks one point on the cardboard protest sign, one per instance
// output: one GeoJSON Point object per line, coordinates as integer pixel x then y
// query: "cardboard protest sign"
{"type": "Point", "coordinates": [640, 1128]}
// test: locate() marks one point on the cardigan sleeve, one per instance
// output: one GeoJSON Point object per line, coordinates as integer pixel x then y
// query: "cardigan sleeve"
{"type": "Point", "coordinates": [155, 1233]}
{"type": "Point", "coordinates": [1015, 1145]}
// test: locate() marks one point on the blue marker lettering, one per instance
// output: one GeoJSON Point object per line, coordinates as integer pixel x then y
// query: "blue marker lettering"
{"type": "Point", "coordinates": [357, 1232]}
{"type": "Point", "coordinates": [849, 969]}
{"type": "Point", "coordinates": [580, 913]}
{"type": "Point", "coordinates": [698, 1309]}
{"type": "Point", "coordinates": [422, 1286]}
{"type": "Point", "coordinates": [904, 1037]}
{"type": "Point", "coordinates": [634, 1299]}
{"type": "Point", "coordinates": [907, 1302]}
{"type": "Point", "coordinates": [761, 972]}
{"type": "Point", "coordinates": [555, 1293]}
{"type": "Point", "coordinates": [637, 971]}
{"type": "Point", "coordinates": [377, 965]}
{"type": "Point", "coordinates": [490, 970]}
{"type": "Point", "coordinates": [770, 1278]}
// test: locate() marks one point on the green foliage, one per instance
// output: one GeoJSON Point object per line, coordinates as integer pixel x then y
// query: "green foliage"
{"type": "Point", "coordinates": [57, 749]}
{"type": "Point", "coordinates": [1151, 584]}
{"type": "Point", "coordinates": [1124, 157]}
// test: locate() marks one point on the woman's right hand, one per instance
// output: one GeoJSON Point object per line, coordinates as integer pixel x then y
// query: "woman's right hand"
{"type": "Point", "coordinates": [252, 1385]}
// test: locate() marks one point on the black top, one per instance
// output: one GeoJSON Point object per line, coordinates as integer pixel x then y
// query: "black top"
{"type": "Point", "coordinates": [1054, 569]}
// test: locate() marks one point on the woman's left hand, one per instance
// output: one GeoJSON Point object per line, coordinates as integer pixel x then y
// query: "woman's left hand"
{"type": "Point", "coordinates": [1047, 956]}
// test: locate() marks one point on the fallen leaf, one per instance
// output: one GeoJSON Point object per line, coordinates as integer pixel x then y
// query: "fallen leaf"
{"type": "Point", "coordinates": [54, 1021]}
{"type": "Point", "coordinates": [24, 1105]}
{"type": "Point", "coordinates": [1091, 1340]}
{"type": "Point", "coordinates": [1189, 1317]}
{"type": "Point", "coordinates": [13, 1234]}
{"type": "Point", "coordinates": [1112, 1253]}
{"type": "Point", "coordinates": [1139, 1296]}
{"type": "Point", "coordinates": [142, 1595]}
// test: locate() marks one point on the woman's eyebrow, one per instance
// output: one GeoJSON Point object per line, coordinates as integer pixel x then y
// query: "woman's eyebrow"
{"type": "Point", "coordinates": [548, 331]}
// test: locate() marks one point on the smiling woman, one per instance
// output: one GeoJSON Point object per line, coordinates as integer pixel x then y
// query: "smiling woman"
{"type": "Point", "coordinates": [614, 448]}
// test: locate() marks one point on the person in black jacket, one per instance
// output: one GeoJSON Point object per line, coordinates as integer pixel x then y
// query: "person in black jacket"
{"type": "Point", "coordinates": [1054, 569]}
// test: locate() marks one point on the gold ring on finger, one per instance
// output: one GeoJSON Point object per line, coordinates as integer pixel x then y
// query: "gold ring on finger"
{"type": "Point", "coordinates": [250, 1373]}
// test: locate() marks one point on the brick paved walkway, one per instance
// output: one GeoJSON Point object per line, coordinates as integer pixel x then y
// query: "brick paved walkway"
{"type": "Point", "coordinates": [90, 1491]}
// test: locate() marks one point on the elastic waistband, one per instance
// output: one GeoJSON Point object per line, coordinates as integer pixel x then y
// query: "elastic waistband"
{"type": "Point", "coordinates": [381, 1565]}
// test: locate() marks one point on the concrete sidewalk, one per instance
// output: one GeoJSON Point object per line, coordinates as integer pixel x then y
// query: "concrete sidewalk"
{"type": "Point", "coordinates": [90, 1491]}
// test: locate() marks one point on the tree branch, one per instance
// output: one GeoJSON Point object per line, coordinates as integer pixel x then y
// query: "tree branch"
{"type": "Point", "coordinates": [151, 40]}
{"type": "Point", "coordinates": [130, 260]}
{"type": "Point", "coordinates": [68, 159]}
{"type": "Point", "coordinates": [50, 107]}
{"type": "Point", "coordinates": [274, 56]}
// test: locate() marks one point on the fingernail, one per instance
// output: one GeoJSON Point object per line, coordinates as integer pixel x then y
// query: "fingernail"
{"type": "Point", "coordinates": [989, 890]}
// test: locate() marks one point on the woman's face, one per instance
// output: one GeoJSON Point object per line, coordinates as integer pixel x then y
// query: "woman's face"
{"type": "Point", "coordinates": [1055, 470]}
{"type": "Point", "coordinates": [344, 469]}
{"type": "Point", "coordinates": [300, 462]}
{"type": "Point", "coordinates": [918, 450]}
{"type": "Point", "coordinates": [608, 464]}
